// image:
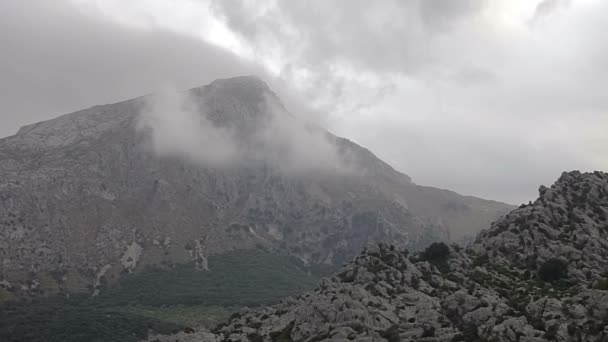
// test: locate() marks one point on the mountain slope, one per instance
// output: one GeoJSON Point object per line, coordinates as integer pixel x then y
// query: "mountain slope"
{"type": "Point", "coordinates": [164, 180]}
{"type": "Point", "coordinates": [539, 274]}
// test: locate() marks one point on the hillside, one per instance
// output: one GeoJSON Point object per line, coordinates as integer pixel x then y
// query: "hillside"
{"type": "Point", "coordinates": [539, 274]}
{"type": "Point", "coordinates": [167, 180]}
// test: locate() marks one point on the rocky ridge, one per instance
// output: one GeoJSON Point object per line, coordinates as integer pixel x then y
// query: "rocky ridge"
{"type": "Point", "coordinates": [539, 274]}
{"type": "Point", "coordinates": [85, 198]}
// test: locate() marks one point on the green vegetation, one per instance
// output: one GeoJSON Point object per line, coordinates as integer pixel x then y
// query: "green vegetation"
{"type": "Point", "coordinates": [54, 319]}
{"type": "Point", "coordinates": [161, 300]}
{"type": "Point", "coordinates": [391, 334]}
{"type": "Point", "coordinates": [60, 319]}
{"type": "Point", "coordinates": [238, 278]}
{"type": "Point", "coordinates": [437, 251]}
{"type": "Point", "coordinates": [191, 315]}
{"type": "Point", "coordinates": [437, 254]}
{"type": "Point", "coordinates": [602, 284]}
{"type": "Point", "coordinates": [553, 270]}
{"type": "Point", "coordinates": [481, 260]}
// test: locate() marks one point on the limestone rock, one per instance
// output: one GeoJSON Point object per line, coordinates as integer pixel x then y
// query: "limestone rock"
{"type": "Point", "coordinates": [491, 291]}
{"type": "Point", "coordinates": [90, 190]}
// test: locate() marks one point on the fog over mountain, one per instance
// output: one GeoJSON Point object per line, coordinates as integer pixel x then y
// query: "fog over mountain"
{"type": "Point", "coordinates": [175, 178]}
{"type": "Point", "coordinates": [180, 126]}
{"type": "Point", "coordinates": [303, 171]}
{"type": "Point", "coordinates": [448, 91]}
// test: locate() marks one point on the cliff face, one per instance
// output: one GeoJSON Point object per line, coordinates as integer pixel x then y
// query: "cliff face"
{"type": "Point", "coordinates": [111, 189]}
{"type": "Point", "coordinates": [539, 274]}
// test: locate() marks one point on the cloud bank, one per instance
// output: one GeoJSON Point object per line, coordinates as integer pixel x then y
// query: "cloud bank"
{"type": "Point", "coordinates": [178, 124]}
{"type": "Point", "coordinates": [490, 98]}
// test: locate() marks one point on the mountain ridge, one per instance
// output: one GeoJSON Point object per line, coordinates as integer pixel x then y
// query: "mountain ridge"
{"type": "Point", "coordinates": [94, 194]}
{"type": "Point", "coordinates": [447, 293]}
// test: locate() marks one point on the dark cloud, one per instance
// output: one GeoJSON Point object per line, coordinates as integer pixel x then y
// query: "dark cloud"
{"type": "Point", "coordinates": [389, 36]}
{"type": "Point", "coordinates": [56, 59]}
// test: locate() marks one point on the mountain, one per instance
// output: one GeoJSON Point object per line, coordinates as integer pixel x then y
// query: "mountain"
{"type": "Point", "coordinates": [184, 181]}
{"type": "Point", "coordinates": [538, 274]}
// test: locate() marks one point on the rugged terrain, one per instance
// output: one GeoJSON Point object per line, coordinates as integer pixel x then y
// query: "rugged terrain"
{"type": "Point", "coordinates": [539, 274]}
{"type": "Point", "coordinates": [93, 195]}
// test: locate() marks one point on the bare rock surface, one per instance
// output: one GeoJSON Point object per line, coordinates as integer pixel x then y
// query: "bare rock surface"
{"type": "Point", "coordinates": [87, 197]}
{"type": "Point", "coordinates": [539, 274]}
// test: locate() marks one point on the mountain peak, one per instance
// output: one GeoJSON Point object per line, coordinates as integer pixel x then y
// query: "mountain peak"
{"type": "Point", "coordinates": [253, 175]}
{"type": "Point", "coordinates": [246, 89]}
{"type": "Point", "coordinates": [242, 102]}
{"type": "Point", "coordinates": [245, 81]}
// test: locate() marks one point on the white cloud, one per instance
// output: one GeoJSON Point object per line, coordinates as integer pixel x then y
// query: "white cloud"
{"type": "Point", "coordinates": [179, 124]}
{"type": "Point", "coordinates": [484, 97]}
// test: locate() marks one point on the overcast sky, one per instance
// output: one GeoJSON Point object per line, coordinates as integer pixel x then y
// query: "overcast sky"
{"type": "Point", "coordinates": [489, 98]}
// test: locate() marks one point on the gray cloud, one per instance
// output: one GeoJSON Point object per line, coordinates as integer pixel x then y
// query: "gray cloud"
{"type": "Point", "coordinates": [482, 97]}
{"type": "Point", "coordinates": [480, 102]}
{"type": "Point", "coordinates": [384, 36]}
{"type": "Point", "coordinates": [480, 163]}
{"type": "Point", "coordinates": [440, 14]}
{"type": "Point", "coordinates": [56, 59]}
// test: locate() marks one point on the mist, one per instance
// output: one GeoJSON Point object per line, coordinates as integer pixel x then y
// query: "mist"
{"type": "Point", "coordinates": [178, 128]}
{"type": "Point", "coordinates": [178, 124]}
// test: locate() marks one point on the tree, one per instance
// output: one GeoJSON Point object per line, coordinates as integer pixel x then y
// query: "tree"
{"type": "Point", "coordinates": [553, 270]}
{"type": "Point", "coordinates": [437, 252]}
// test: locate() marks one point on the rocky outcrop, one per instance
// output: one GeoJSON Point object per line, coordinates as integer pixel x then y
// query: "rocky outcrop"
{"type": "Point", "coordinates": [539, 274]}
{"type": "Point", "coordinates": [567, 222]}
{"type": "Point", "coordinates": [87, 197]}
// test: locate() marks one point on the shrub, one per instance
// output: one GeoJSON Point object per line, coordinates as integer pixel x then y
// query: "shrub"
{"type": "Point", "coordinates": [481, 260]}
{"type": "Point", "coordinates": [551, 333]}
{"type": "Point", "coordinates": [572, 329]}
{"type": "Point", "coordinates": [415, 282]}
{"type": "Point", "coordinates": [391, 334]}
{"type": "Point", "coordinates": [553, 270]}
{"type": "Point", "coordinates": [437, 252]}
{"type": "Point", "coordinates": [602, 284]}
{"type": "Point", "coordinates": [457, 338]}
{"type": "Point", "coordinates": [469, 333]}
{"type": "Point", "coordinates": [428, 331]}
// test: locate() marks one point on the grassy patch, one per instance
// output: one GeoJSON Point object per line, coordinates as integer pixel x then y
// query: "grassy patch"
{"type": "Point", "coordinates": [239, 278]}
{"type": "Point", "coordinates": [51, 320]}
{"type": "Point", "coordinates": [161, 301]}
{"type": "Point", "coordinates": [191, 316]}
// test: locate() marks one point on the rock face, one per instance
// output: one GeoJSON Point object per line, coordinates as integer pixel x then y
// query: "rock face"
{"type": "Point", "coordinates": [539, 274]}
{"type": "Point", "coordinates": [97, 193]}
